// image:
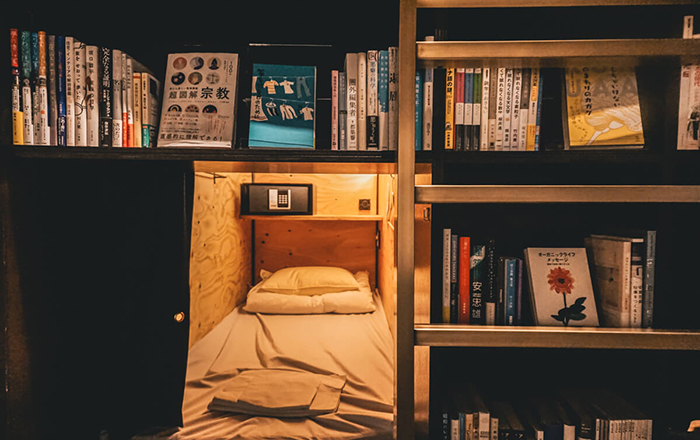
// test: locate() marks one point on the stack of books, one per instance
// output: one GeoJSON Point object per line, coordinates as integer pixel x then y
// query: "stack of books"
{"type": "Point", "coordinates": [69, 93]}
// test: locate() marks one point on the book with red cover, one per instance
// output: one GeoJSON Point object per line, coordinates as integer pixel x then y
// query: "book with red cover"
{"type": "Point", "coordinates": [464, 255]}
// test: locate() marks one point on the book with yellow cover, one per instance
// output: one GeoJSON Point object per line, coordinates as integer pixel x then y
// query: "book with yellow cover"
{"type": "Point", "coordinates": [601, 108]}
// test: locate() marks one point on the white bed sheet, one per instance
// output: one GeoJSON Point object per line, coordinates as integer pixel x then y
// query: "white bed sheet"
{"type": "Point", "coordinates": [358, 346]}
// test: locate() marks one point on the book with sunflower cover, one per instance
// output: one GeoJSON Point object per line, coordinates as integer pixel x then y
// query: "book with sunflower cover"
{"type": "Point", "coordinates": [560, 287]}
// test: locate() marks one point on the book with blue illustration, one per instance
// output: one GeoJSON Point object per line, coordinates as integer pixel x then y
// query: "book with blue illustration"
{"type": "Point", "coordinates": [283, 104]}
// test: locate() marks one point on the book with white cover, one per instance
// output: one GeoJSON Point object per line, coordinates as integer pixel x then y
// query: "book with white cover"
{"type": "Point", "coordinates": [150, 109]}
{"type": "Point", "coordinates": [80, 70]}
{"type": "Point", "coordinates": [485, 107]}
{"type": "Point", "coordinates": [351, 99]}
{"type": "Point", "coordinates": [91, 97]}
{"type": "Point", "coordinates": [508, 109]}
{"type": "Point", "coordinates": [117, 98]}
{"type": "Point", "coordinates": [334, 109]}
{"type": "Point", "coordinates": [125, 135]}
{"type": "Point", "coordinates": [500, 107]}
{"type": "Point", "coordinates": [70, 91]}
{"type": "Point", "coordinates": [136, 85]}
{"type": "Point", "coordinates": [612, 260]}
{"type": "Point", "coordinates": [372, 100]}
{"type": "Point", "coordinates": [515, 109]}
{"type": "Point", "coordinates": [524, 107]}
{"type": "Point", "coordinates": [362, 100]}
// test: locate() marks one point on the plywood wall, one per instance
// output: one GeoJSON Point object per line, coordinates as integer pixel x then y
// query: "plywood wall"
{"type": "Point", "coordinates": [386, 255]}
{"type": "Point", "coordinates": [220, 256]}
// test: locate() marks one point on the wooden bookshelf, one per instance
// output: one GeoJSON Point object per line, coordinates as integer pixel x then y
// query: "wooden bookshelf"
{"type": "Point", "coordinates": [351, 218]}
{"type": "Point", "coordinates": [543, 3]}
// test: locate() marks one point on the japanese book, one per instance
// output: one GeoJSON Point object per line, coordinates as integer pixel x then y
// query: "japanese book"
{"type": "Point", "coordinates": [468, 117]}
{"type": "Point", "coordinates": [602, 108]}
{"type": "Point", "coordinates": [117, 134]}
{"type": "Point", "coordinates": [454, 278]}
{"type": "Point", "coordinates": [508, 109]}
{"type": "Point", "coordinates": [53, 90]}
{"type": "Point", "coordinates": [393, 98]}
{"type": "Point", "coordinates": [449, 108]}
{"type": "Point", "coordinates": [70, 91]}
{"type": "Point", "coordinates": [34, 82]}
{"type": "Point", "coordinates": [524, 106]}
{"type": "Point", "coordinates": [342, 111]}
{"type": "Point", "coordinates": [92, 95]}
{"type": "Point", "coordinates": [485, 108]}
{"type": "Point", "coordinates": [689, 108]}
{"type": "Point", "coordinates": [199, 101]}
{"type": "Point", "coordinates": [459, 127]}
{"type": "Point", "coordinates": [372, 100]}
{"type": "Point", "coordinates": [351, 76]}
{"type": "Point", "coordinates": [362, 100]}
{"type": "Point", "coordinates": [476, 109]}
{"type": "Point", "coordinates": [136, 84]}
{"type": "Point", "coordinates": [418, 107]}
{"type": "Point", "coordinates": [288, 97]}
{"type": "Point", "coordinates": [79, 64]}
{"type": "Point", "coordinates": [560, 287]}
{"type": "Point", "coordinates": [127, 141]}
{"type": "Point", "coordinates": [464, 282]}
{"type": "Point", "coordinates": [150, 109]}
{"type": "Point", "coordinates": [334, 109]}
{"type": "Point", "coordinates": [515, 112]}
{"type": "Point", "coordinates": [612, 267]}
{"type": "Point", "coordinates": [491, 291]}
{"type": "Point", "coordinates": [383, 99]}
{"type": "Point", "coordinates": [493, 106]}
{"type": "Point", "coordinates": [43, 129]}
{"type": "Point", "coordinates": [129, 81]}
{"type": "Point", "coordinates": [61, 90]}
{"type": "Point", "coordinates": [446, 273]}
{"type": "Point", "coordinates": [477, 277]}
{"type": "Point", "coordinates": [104, 77]}
{"type": "Point", "coordinates": [500, 107]}
{"type": "Point", "coordinates": [17, 114]}
{"type": "Point", "coordinates": [428, 81]}
{"type": "Point", "coordinates": [532, 109]}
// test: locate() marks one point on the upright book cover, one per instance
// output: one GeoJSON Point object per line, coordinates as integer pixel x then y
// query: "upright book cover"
{"type": "Point", "coordinates": [612, 267]}
{"type": "Point", "coordinates": [104, 75]}
{"type": "Point", "coordinates": [199, 100]}
{"type": "Point", "coordinates": [288, 100]}
{"type": "Point", "coordinates": [602, 108]}
{"type": "Point", "coordinates": [351, 76]}
{"type": "Point", "coordinates": [92, 93]}
{"type": "Point", "coordinates": [372, 100]}
{"type": "Point", "coordinates": [560, 287]}
{"type": "Point", "coordinates": [150, 109]}
{"type": "Point", "coordinates": [17, 115]}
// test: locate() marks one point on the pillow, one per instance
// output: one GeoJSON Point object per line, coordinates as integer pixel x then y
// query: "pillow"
{"type": "Point", "coordinates": [347, 302]}
{"type": "Point", "coordinates": [310, 280]}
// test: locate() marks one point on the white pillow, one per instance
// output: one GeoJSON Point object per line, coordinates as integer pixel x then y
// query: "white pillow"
{"type": "Point", "coordinates": [350, 301]}
{"type": "Point", "coordinates": [309, 280]}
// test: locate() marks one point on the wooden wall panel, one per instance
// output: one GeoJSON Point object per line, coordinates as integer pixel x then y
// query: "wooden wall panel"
{"type": "Point", "coordinates": [348, 244]}
{"type": "Point", "coordinates": [334, 194]}
{"type": "Point", "coordinates": [220, 256]}
{"type": "Point", "coordinates": [386, 256]}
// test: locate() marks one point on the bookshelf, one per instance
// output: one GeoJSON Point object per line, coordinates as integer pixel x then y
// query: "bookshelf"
{"type": "Point", "coordinates": [514, 191]}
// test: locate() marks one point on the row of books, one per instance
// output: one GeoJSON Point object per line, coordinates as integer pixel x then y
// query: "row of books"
{"type": "Point", "coordinates": [69, 93]}
{"type": "Point", "coordinates": [479, 287]}
{"type": "Point", "coordinates": [469, 413]}
{"type": "Point", "coordinates": [689, 97]}
{"type": "Point", "coordinates": [364, 104]}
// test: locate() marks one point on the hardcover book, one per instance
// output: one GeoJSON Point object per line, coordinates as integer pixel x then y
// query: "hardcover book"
{"type": "Point", "coordinates": [560, 287]}
{"type": "Point", "coordinates": [602, 108]}
{"type": "Point", "coordinates": [288, 98]}
{"type": "Point", "coordinates": [199, 101]}
{"type": "Point", "coordinates": [612, 267]}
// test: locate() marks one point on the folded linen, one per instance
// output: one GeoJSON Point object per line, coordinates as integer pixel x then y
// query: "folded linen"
{"type": "Point", "coordinates": [277, 392]}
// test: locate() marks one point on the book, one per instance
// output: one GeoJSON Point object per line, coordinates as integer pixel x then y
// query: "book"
{"type": "Point", "coordinates": [538, 116]}
{"type": "Point", "coordinates": [53, 89]}
{"type": "Point", "coordinates": [500, 108]}
{"type": "Point", "coordinates": [687, 132]}
{"type": "Point", "coordinates": [524, 106]}
{"type": "Point", "coordinates": [494, 84]}
{"type": "Point", "coordinates": [612, 267]}
{"type": "Point", "coordinates": [561, 289]}
{"type": "Point", "coordinates": [124, 115]}
{"type": "Point", "coordinates": [393, 98]}
{"type": "Point", "coordinates": [532, 109]}
{"type": "Point", "coordinates": [485, 108]}
{"type": "Point", "coordinates": [17, 114]}
{"type": "Point", "coordinates": [150, 109]}
{"type": "Point", "coordinates": [42, 129]}
{"type": "Point", "coordinates": [334, 109]}
{"type": "Point", "coordinates": [70, 90]}
{"type": "Point", "coordinates": [428, 90]}
{"type": "Point", "coordinates": [198, 107]}
{"type": "Point", "coordinates": [136, 82]}
{"type": "Point", "coordinates": [92, 95]}
{"type": "Point", "coordinates": [491, 292]}
{"type": "Point", "coordinates": [80, 99]}
{"type": "Point", "coordinates": [468, 117]}
{"type": "Point", "coordinates": [476, 111]}
{"type": "Point", "coordinates": [515, 112]}
{"type": "Point", "coordinates": [372, 100]}
{"type": "Point", "coordinates": [61, 91]}
{"type": "Point", "coordinates": [477, 276]}
{"type": "Point", "coordinates": [449, 108]}
{"type": "Point", "coordinates": [117, 134]}
{"type": "Point", "coordinates": [464, 282]}
{"type": "Point", "coordinates": [446, 274]}
{"type": "Point", "coordinates": [351, 76]}
{"type": "Point", "coordinates": [418, 107]}
{"type": "Point", "coordinates": [454, 278]}
{"type": "Point", "coordinates": [128, 121]}
{"type": "Point", "coordinates": [508, 109]}
{"type": "Point", "coordinates": [459, 118]}
{"type": "Point", "coordinates": [342, 111]}
{"type": "Point", "coordinates": [362, 100]}
{"type": "Point", "coordinates": [104, 75]}
{"type": "Point", "coordinates": [383, 99]}
{"type": "Point", "coordinates": [602, 108]}
{"type": "Point", "coordinates": [509, 290]}
{"type": "Point", "coordinates": [649, 277]}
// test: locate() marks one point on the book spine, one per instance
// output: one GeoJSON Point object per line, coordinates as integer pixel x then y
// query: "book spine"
{"type": "Point", "coordinates": [508, 109]}
{"type": "Point", "coordinates": [393, 98]}
{"type": "Point", "coordinates": [524, 106]}
{"type": "Point", "coordinates": [636, 285]}
{"type": "Point", "coordinates": [685, 123]}
{"type": "Point", "coordinates": [104, 70]}
{"type": "Point", "coordinates": [626, 294]}
{"type": "Point", "coordinates": [500, 291]}
{"type": "Point", "coordinates": [124, 114]}
{"type": "Point", "coordinates": [91, 96]}
{"type": "Point", "coordinates": [454, 278]}
{"type": "Point", "coordinates": [539, 113]}
{"type": "Point", "coordinates": [145, 116]}
{"type": "Point", "coordinates": [418, 107]}
{"type": "Point", "coordinates": [116, 98]}
{"type": "Point", "coordinates": [428, 91]}
{"type": "Point", "coordinates": [43, 129]}
{"type": "Point", "coordinates": [464, 283]}
{"type": "Point", "coordinates": [491, 294]}
{"type": "Point", "coordinates": [509, 291]}
{"type": "Point", "coordinates": [70, 92]}
{"type": "Point", "coordinates": [35, 86]}
{"type": "Point", "coordinates": [25, 78]}
{"type": "Point", "coordinates": [79, 55]}
{"type": "Point", "coordinates": [649, 269]}
{"type": "Point", "coordinates": [459, 128]}
{"type": "Point", "coordinates": [485, 108]}
{"type": "Point", "coordinates": [129, 90]}
{"type": "Point", "coordinates": [446, 254]}
{"type": "Point", "coordinates": [478, 283]}
{"type": "Point", "coordinates": [362, 100]}
{"type": "Point", "coordinates": [383, 99]}
{"type": "Point", "coordinates": [476, 111]}
{"type": "Point", "coordinates": [515, 113]}
{"type": "Point", "coordinates": [138, 112]}
{"type": "Point", "coordinates": [61, 127]}
{"type": "Point", "coordinates": [334, 109]}
{"type": "Point", "coordinates": [532, 109]}
{"type": "Point", "coordinates": [342, 111]}
{"type": "Point", "coordinates": [53, 91]}
{"type": "Point", "coordinates": [468, 118]}
{"type": "Point", "coordinates": [372, 100]}
{"type": "Point", "coordinates": [449, 108]}
{"type": "Point", "coordinates": [17, 114]}
{"type": "Point", "coordinates": [519, 292]}
{"type": "Point", "coordinates": [500, 107]}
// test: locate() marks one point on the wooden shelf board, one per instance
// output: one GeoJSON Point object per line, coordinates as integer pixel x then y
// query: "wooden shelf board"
{"type": "Point", "coordinates": [559, 156]}
{"type": "Point", "coordinates": [354, 218]}
{"type": "Point", "coordinates": [557, 194]}
{"type": "Point", "coordinates": [543, 3]}
{"type": "Point", "coordinates": [449, 335]}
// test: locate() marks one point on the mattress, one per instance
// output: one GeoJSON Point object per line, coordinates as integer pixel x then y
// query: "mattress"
{"type": "Point", "coordinates": [357, 346]}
